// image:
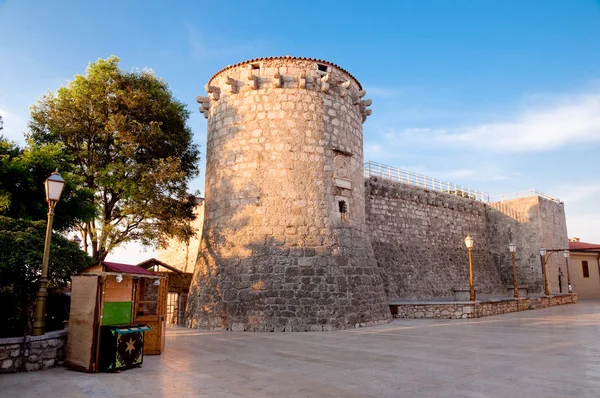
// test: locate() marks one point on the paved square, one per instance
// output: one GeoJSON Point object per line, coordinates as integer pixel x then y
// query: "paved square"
{"type": "Point", "coordinates": [552, 352]}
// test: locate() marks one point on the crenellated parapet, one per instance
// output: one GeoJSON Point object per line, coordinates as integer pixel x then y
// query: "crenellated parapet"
{"type": "Point", "coordinates": [286, 73]}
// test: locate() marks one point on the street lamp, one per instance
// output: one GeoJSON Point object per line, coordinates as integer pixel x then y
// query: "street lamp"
{"type": "Point", "coordinates": [544, 270]}
{"type": "Point", "coordinates": [54, 186]}
{"type": "Point", "coordinates": [77, 240]}
{"type": "Point", "coordinates": [469, 244]}
{"type": "Point", "coordinates": [566, 254]}
{"type": "Point", "coordinates": [513, 248]}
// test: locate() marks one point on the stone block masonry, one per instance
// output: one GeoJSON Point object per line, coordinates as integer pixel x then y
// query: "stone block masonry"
{"type": "Point", "coordinates": [542, 223]}
{"type": "Point", "coordinates": [183, 255]}
{"type": "Point", "coordinates": [478, 309]}
{"type": "Point", "coordinates": [418, 239]}
{"type": "Point", "coordinates": [18, 354]}
{"type": "Point", "coordinates": [284, 245]}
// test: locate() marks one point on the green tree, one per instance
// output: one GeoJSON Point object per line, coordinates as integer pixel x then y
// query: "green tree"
{"type": "Point", "coordinates": [22, 175]}
{"type": "Point", "coordinates": [23, 217]}
{"type": "Point", "coordinates": [128, 140]}
{"type": "Point", "coordinates": [21, 250]}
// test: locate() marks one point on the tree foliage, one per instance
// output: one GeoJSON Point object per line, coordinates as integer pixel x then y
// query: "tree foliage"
{"type": "Point", "coordinates": [22, 194]}
{"type": "Point", "coordinates": [21, 251]}
{"type": "Point", "coordinates": [129, 142]}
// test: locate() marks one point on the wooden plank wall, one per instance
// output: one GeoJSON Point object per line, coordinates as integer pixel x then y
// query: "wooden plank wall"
{"type": "Point", "coordinates": [114, 291]}
{"type": "Point", "coordinates": [80, 341]}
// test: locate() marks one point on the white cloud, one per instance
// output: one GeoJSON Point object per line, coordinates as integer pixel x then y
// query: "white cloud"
{"type": "Point", "coordinates": [536, 127]}
{"type": "Point", "coordinates": [574, 194]}
{"type": "Point", "coordinates": [14, 126]}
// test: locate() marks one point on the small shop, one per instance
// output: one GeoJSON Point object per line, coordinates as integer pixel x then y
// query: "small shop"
{"type": "Point", "coordinates": [118, 315]}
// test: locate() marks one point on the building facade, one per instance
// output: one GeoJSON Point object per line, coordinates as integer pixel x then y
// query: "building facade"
{"type": "Point", "coordinates": [585, 268]}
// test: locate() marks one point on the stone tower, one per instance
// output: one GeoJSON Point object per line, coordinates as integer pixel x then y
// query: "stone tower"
{"type": "Point", "coordinates": [284, 244]}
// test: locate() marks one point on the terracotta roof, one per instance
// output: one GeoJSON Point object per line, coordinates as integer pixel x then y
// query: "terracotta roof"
{"type": "Point", "coordinates": [322, 61]}
{"type": "Point", "coordinates": [125, 268]}
{"type": "Point", "coordinates": [583, 246]}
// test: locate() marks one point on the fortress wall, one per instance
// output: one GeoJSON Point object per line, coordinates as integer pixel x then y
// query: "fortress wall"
{"type": "Point", "coordinates": [183, 255]}
{"type": "Point", "coordinates": [418, 239]}
{"type": "Point", "coordinates": [553, 225]}
{"type": "Point", "coordinates": [545, 226]}
{"type": "Point", "coordinates": [517, 221]}
{"type": "Point", "coordinates": [530, 222]}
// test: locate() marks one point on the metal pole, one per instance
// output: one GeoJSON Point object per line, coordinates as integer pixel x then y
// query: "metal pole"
{"type": "Point", "coordinates": [559, 280]}
{"type": "Point", "coordinates": [544, 270]}
{"type": "Point", "coordinates": [471, 285]}
{"type": "Point", "coordinates": [39, 324]}
{"type": "Point", "coordinates": [568, 275]}
{"type": "Point", "coordinates": [516, 286]}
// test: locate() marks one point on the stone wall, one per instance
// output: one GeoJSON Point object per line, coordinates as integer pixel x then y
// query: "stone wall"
{"type": "Point", "coordinates": [478, 309]}
{"type": "Point", "coordinates": [18, 354]}
{"type": "Point", "coordinates": [553, 226]}
{"type": "Point", "coordinates": [531, 222]}
{"type": "Point", "coordinates": [183, 255]}
{"type": "Point", "coordinates": [284, 244]}
{"type": "Point", "coordinates": [459, 310]}
{"type": "Point", "coordinates": [561, 299]}
{"type": "Point", "coordinates": [418, 238]}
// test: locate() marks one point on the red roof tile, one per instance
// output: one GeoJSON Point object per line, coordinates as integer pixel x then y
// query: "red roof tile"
{"type": "Point", "coordinates": [125, 268]}
{"type": "Point", "coordinates": [583, 246]}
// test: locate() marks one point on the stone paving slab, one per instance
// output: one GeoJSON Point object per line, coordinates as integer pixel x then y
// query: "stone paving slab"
{"type": "Point", "coordinates": [551, 352]}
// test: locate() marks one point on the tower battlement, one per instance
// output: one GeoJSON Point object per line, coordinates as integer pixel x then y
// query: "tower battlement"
{"type": "Point", "coordinates": [287, 72]}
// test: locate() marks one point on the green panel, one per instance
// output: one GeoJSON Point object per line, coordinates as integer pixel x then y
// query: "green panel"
{"type": "Point", "coordinates": [117, 313]}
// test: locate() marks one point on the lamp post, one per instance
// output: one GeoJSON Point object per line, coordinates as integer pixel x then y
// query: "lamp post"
{"type": "Point", "coordinates": [54, 186]}
{"type": "Point", "coordinates": [544, 270]}
{"type": "Point", "coordinates": [566, 254]}
{"type": "Point", "coordinates": [513, 248]}
{"type": "Point", "coordinates": [77, 240]}
{"type": "Point", "coordinates": [469, 244]}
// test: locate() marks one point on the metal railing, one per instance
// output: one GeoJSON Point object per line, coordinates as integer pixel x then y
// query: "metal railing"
{"type": "Point", "coordinates": [419, 180]}
{"type": "Point", "coordinates": [523, 194]}
{"type": "Point", "coordinates": [391, 173]}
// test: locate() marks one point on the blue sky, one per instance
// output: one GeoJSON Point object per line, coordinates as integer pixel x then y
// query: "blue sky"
{"type": "Point", "coordinates": [497, 95]}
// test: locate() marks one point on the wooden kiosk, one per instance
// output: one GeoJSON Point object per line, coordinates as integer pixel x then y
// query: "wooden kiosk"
{"type": "Point", "coordinates": [123, 298]}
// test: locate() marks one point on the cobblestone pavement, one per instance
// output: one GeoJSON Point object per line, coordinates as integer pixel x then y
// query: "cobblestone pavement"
{"type": "Point", "coordinates": [551, 352]}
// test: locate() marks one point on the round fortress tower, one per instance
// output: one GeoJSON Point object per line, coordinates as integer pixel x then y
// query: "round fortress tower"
{"type": "Point", "coordinates": [284, 244]}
